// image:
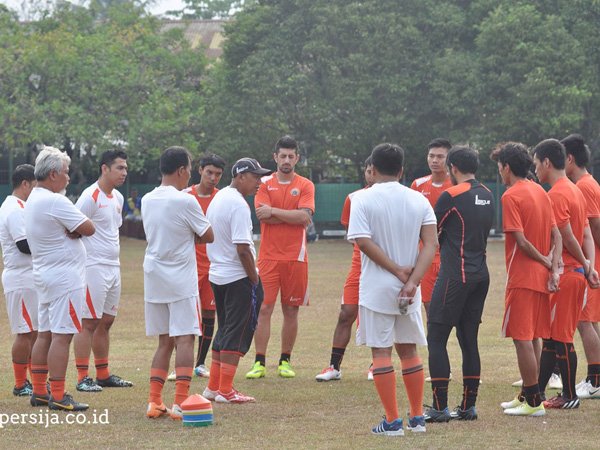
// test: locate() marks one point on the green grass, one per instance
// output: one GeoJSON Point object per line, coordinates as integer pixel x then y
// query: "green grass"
{"type": "Point", "coordinates": [298, 413]}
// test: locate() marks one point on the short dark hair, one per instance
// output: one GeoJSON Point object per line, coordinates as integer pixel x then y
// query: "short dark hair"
{"type": "Point", "coordinates": [286, 142]}
{"type": "Point", "coordinates": [439, 142]}
{"type": "Point", "coordinates": [464, 158]}
{"type": "Point", "coordinates": [515, 155]}
{"type": "Point", "coordinates": [211, 159]}
{"type": "Point", "coordinates": [388, 159]}
{"type": "Point", "coordinates": [368, 161]}
{"type": "Point", "coordinates": [575, 146]}
{"type": "Point", "coordinates": [109, 156]}
{"type": "Point", "coordinates": [552, 150]}
{"type": "Point", "coordinates": [173, 158]}
{"type": "Point", "coordinates": [23, 172]}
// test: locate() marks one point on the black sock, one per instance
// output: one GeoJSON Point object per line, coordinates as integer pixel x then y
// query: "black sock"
{"type": "Point", "coordinates": [208, 328]}
{"type": "Point", "coordinates": [261, 359]}
{"type": "Point", "coordinates": [470, 389]}
{"type": "Point", "coordinates": [337, 353]}
{"type": "Point", "coordinates": [556, 369]}
{"type": "Point", "coordinates": [285, 357]}
{"type": "Point", "coordinates": [440, 393]}
{"type": "Point", "coordinates": [593, 375]}
{"type": "Point", "coordinates": [532, 395]}
{"type": "Point", "coordinates": [567, 361]}
{"type": "Point", "coordinates": [547, 363]}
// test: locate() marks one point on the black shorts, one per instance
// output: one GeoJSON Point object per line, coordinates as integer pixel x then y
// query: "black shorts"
{"type": "Point", "coordinates": [453, 301]}
{"type": "Point", "coordinates": [238, 305]}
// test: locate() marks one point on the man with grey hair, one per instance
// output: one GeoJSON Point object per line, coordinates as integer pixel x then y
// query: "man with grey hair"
{"type": "Point", "coordinates": [53, 227]}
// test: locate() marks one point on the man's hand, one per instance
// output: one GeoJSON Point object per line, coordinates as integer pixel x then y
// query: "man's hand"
{"type": "Point", "coordinates": [408, 290]}
{"type": "Point", "coordinates": [403, 273]}
{"type": "Point", "coordinates": [593, 279]}
{"type": "Point", "coordinates": [553, 280]}
{"type": "Point", "coordinates": [264, 212]}
{"type": "Point", "coordinates": [72, 234]}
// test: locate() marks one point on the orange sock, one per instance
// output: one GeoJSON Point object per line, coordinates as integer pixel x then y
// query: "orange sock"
{"type": "Point", "coordinates": [102, 372]}
{"type": "Point", "coordinates": [414, 383]}
{"type": "Point", "coordinates": [227, 374]}
{"type": "Point", "coordinates": [29, 368]}
{"type": "Point", "coordinates": [182, 383]}
{"type": "Point", "coordinates": [157, 381]}
{"type": "Point", "coordinates": [20, 371]}
{"type": "Point", "coordinates": [215, 372]}
{"type": "Point", "coordinates": [57, 388]}
{"type": "Point", "coordinates": [384, 377]}
{"type": "Point", "coordinates": [83, 365]}
{"type": "Point", "coordinates": [39, 376]}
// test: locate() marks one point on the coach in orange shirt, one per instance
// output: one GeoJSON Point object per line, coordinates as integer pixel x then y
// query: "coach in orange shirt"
{"type": "Point", "coordinates": [284, 205]}
{"type": "Point", "coordinates": [432, 186]}
{"type": "Point", "coordinates": [533, 246]}
{"type": "Point", "coordinates": [568, 205]}
{"type": "Point", "coordinates": [578, 157]}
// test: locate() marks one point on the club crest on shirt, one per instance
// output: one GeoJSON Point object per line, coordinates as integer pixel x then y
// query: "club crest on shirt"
{"type": "Point", "coordinates": [295, 192]}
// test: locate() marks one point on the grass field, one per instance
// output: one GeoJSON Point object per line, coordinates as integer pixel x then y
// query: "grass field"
{"type": "Point", "coordinates": [297, 413]}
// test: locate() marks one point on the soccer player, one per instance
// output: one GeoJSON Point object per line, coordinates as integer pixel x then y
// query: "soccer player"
{"type": "Point", "coordinates": [349, 307]}
{"type": "Point", "coordinates": [102, 204]}
{"type": "Point", "coordinates": [391, 271]}
{"type": "Point", "coordinates": [568, 204]}
{"type": "Point", "coordinates": [53, 227]}
{"type": "Point", "coordinates": [284, 205]}
{"type": "Point", "coordinates": [464, 215]}
{"type": "Point", "coordinates": [235, 281]}
{"type": "Point", "coordinates": [17, 278]}
{"type": "Point", "coordinates": [578, 157]}
{"type": "Point", "coordinates": [533, 246]}
{"type": "Point", "coordinates": [172, 221]}
{"type": "Point", "coordinates": [432, 186]}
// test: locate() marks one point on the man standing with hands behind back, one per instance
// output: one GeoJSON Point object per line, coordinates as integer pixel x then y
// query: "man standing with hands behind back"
{"type": "Point", "coordinates": [285, 203]}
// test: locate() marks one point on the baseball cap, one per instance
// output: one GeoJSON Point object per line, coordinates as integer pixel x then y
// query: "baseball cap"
{"type": "Point", "coordinates": [248, 165]}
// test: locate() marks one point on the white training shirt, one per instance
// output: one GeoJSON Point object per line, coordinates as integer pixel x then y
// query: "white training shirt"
{"type": "Point", "coordinates": [171, 220]}
{"type": "Point", "coordinates": [392, 216]}
{"type": "Point", "coordinates": [17, 272]}
{"type": "Point", "coordinates": [58, 261]}
{"type": "Point", "coordinates": [230, 217]}
{"type": "Point", "coordinates": [105, 211]}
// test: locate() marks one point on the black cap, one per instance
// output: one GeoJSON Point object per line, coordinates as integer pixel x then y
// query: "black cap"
{"type": "Point", "coordinates": [248, 165]}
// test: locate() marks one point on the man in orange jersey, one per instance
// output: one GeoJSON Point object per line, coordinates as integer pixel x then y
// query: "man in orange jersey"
{"type": "Point", "coordinates": [284, 205]}
{"type": "Point", "coordinates": [568, 205]}
{"type": "Point", "coordinates": [349, 307]}
{"type": "Point", "coordinates": [578, 157]}
{"type": "Point", "coordinates": [533, 246]}
{"type": "Point", "coordinates": [431, 186]}
{"type": "Point", "coordinates": [17, 276]}
{"type": "Point", "coordinates": [211, 169]}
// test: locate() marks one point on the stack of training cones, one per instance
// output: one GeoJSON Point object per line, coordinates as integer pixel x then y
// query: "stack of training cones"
{"type": "Point", "coordinates": [197, 411]}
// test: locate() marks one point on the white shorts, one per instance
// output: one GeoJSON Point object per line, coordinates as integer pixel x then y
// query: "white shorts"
{"type": "Point", "coordinates": [62, 315]}
{"type": "Point", "coordinates": [178, 318]}
{"type": "Point", "coordinates": [103, 291]}
{"type": "Point", "coordinates": [22, 308]}
{"type": "Point", "coordinates": [379, 330]}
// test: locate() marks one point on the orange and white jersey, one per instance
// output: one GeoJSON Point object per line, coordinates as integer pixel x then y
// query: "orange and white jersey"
{"type": "Point", "coordinates": [283, 241]}
{"type": "Point", "coordinates": [17, 266]}
{"type": "Point", "coordinates": [105, 211]}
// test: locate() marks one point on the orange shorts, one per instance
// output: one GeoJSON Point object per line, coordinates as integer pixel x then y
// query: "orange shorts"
{"type": "Point", "coordinates": [428, 282]}
{"type": "Point", "coordinates": [526, 315]}
{"type": "Point", "coordinates": [350, 295]}
{"type": "Point", "coordinates": [289, 276]}
{"type": "Point", "coordinates": [566, 305]}
{"type": "Point", "coordinates": [207, 298]}
{"type": "Point", "coordinates": [591, 307]}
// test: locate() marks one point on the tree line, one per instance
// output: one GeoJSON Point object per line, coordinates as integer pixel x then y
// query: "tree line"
{"type": "Point", "coordinates": [339, 75]}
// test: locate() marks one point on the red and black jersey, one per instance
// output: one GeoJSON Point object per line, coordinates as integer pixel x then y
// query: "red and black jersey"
{"type": "Point", "coordinates": [464, 213]}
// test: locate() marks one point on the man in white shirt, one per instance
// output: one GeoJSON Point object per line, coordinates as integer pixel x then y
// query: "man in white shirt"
{"type": "Point", "coordinates": [386, 222]}
{"type": "Point", "coordinates": [172, 220]}
{"type": "Point", "coordinates": [234, 278]}
{"type": "Point", "coordinates": [54, 226]}
{"type": "Point", "coordinates": [103, 204]}
{"type": "Point", "coordinates": [17, 278]}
